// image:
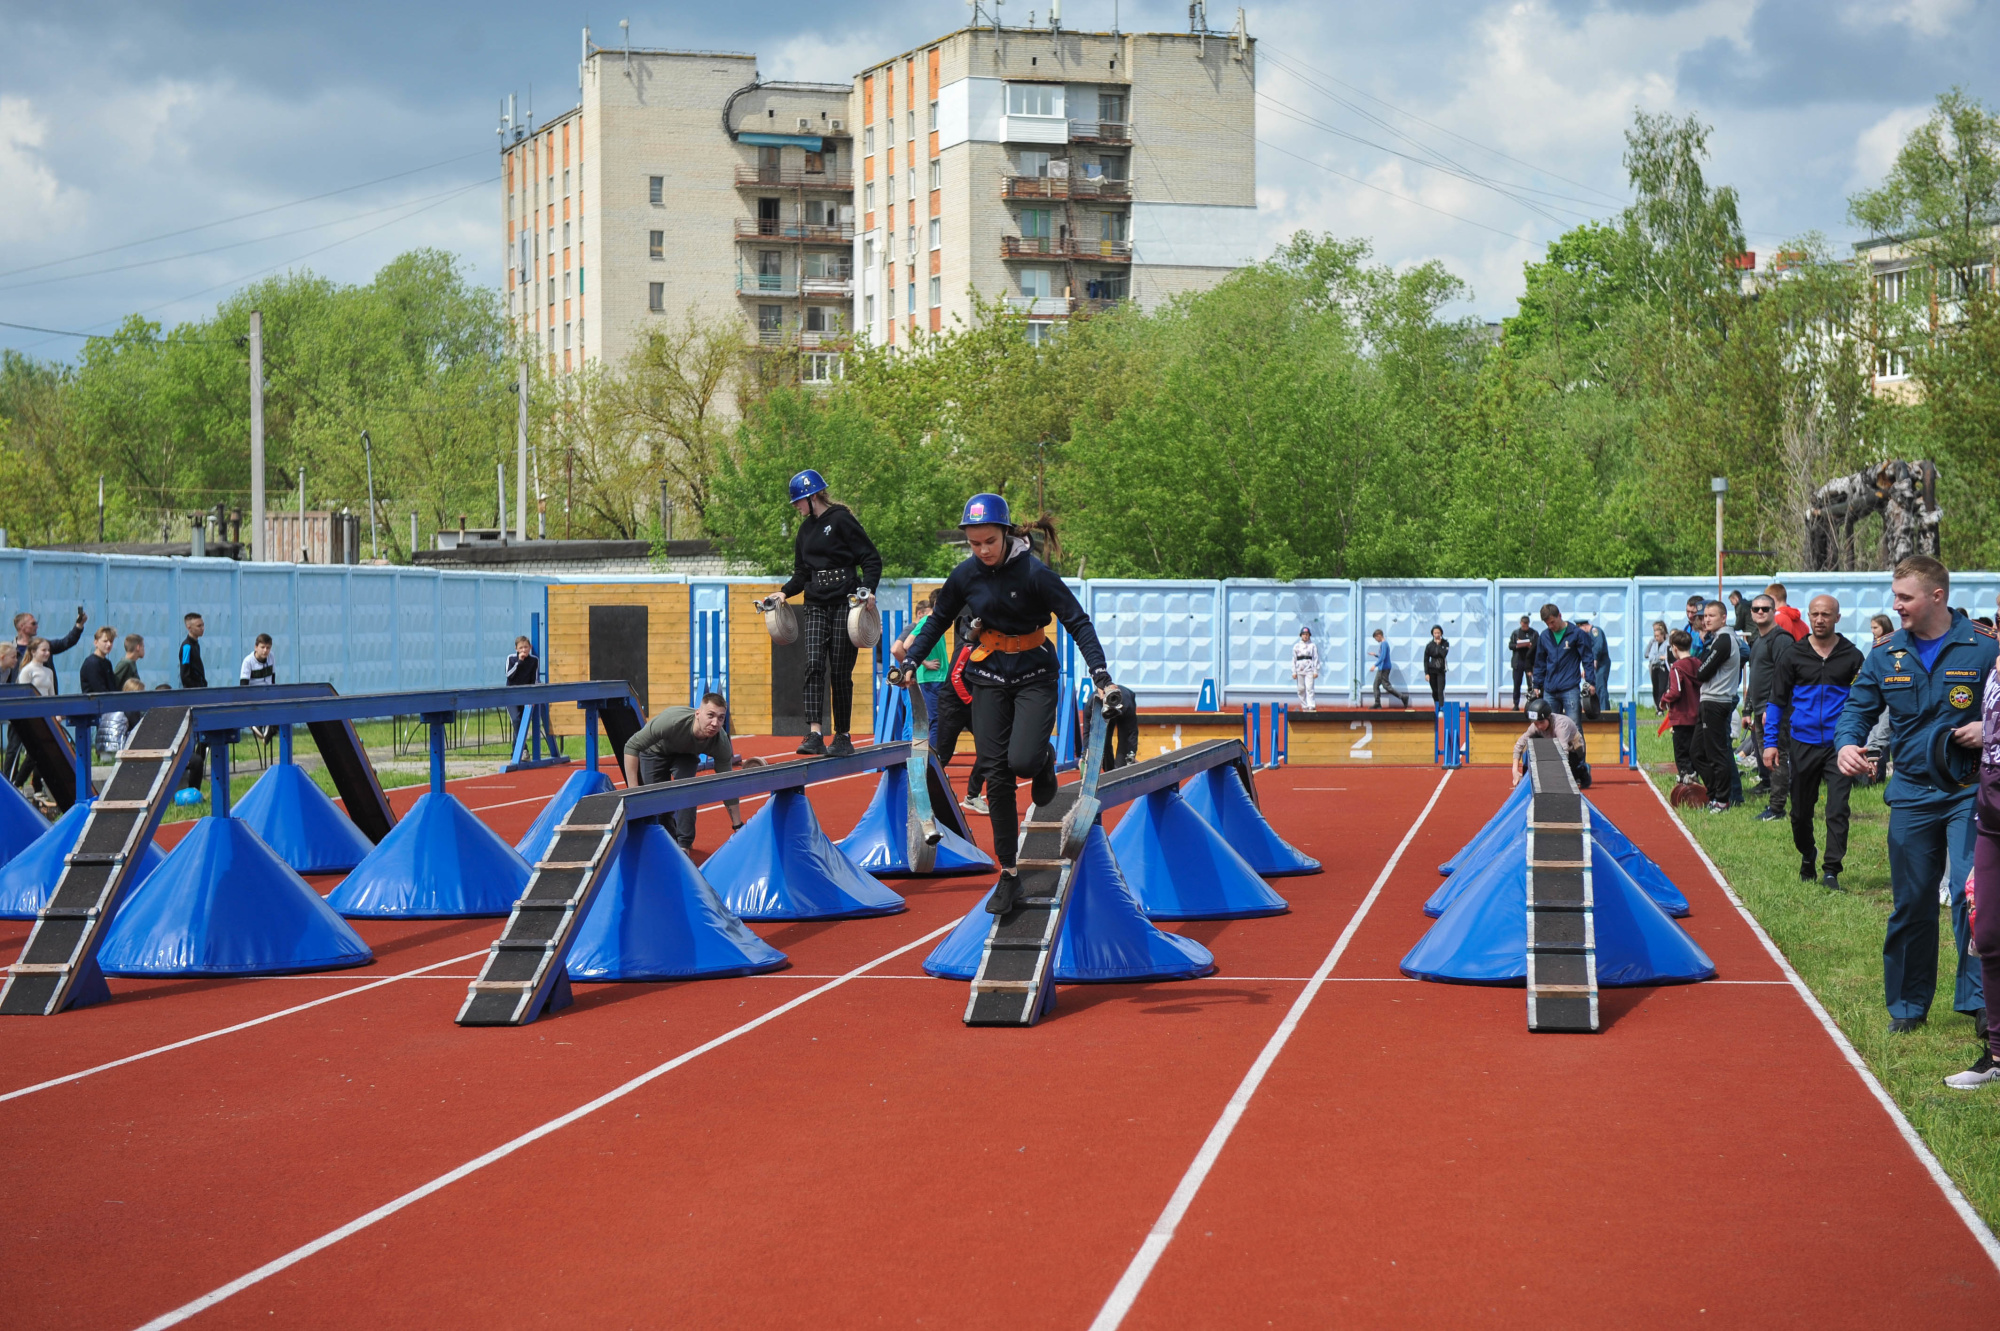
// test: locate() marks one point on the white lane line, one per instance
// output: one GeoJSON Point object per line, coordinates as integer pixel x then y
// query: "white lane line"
{"type": "Point", "coordinates": [1126, 1292]}
{"type": "Point", "coordinates": [239, 1026]}
{"type": "Point", "coordinates": [1980, 1233]}
{"type": "Point", "coordinates": [528, 1138]}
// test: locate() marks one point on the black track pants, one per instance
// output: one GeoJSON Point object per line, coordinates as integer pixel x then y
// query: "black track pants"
{"type": "Point", "coordinates": [1812, 765]}
{"type": "Point", "coordinates": [1012, 725]}
{"type": "Point", "coordinates": [954, 718]}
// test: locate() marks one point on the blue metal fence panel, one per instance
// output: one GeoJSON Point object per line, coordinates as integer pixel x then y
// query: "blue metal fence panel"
{"type": "Point", "coordinates": [708, 628]}
{"type": "Point", "coordinates": [1264, 620]}
{"type": "Point", "coordinates": [1161, 639]}
{"type": "Point", "coordinates": [1605, 602]}
{"type": "Point", "coordinates": [455, 640]}
{"type": "Point", "coordinates": [265, 603]}
{"type": "Point", "coordinates": [1405, 610]}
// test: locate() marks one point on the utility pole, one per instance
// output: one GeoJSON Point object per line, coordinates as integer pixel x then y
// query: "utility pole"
{"type": "Point", "coordinates": [301, 557]}
{"type": "Point", "coordinates": [500, 485]}
{"type": "Point", "coordinates": [521, 459]}
{"type": "Point", "coordinates": [374, 537]}
{"type": "Point", "coordinates": [257, 551]}
{"type": "Point", "coordinates": [100, 508]}
{"type": "Point", "coordinates": [1720, 485]}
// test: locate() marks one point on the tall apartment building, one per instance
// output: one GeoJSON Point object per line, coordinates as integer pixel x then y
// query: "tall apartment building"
{"type": "Point", "coordinates": [681, 184]}
{"type": "Point", "coordinates": [1057, 171]}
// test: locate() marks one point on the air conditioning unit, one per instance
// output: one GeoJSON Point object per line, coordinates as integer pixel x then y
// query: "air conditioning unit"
{"type": "Point", "coordinates": [805, 123]}
{"type": "Point", "coordinates": [837, 125]}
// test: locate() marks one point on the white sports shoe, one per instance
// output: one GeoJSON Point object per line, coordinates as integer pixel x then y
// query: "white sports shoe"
{"type": "Point", "coordinates": [1976, 1076]}
{"type": "Point", "coordinates": [977, 804]}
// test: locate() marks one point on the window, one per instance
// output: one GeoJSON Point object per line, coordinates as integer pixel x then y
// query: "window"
{"type": "Point", "coordinates": [770, 270]}
{"type": "Point", "coordinates": [656, 296]}
{"type": "Point", "coordinates": [770, 322]}
{"type": "Point", "coordinates": [891, 184]}
{"type": "Point", "coordinates": [822, 212]}
{"type": "Point", "coordinates": [937, 173]}
{"type": "Point", "coordinates": [868, 196]}
{"type": "Point", "coordinates": [1889, 287]}
{"type": "Point", "coordinates": [1891, 364]}
{"type": "Point", "coordinates": [1111, 107]}
{"type": "Point", "coordinates": [933, 124]}
{"type": "Point", "coordinates": [837, 267]}
{"type": "Point", "coordinates": [656, 189]}
{"type": "Point", "coordinates": [565, 284]}
{"type": "Point", "coordinates": [552, 340]}
{"type": "Point", "coordinates": [565, 235]}
{"type": "Point", "coordinates": [579, 286]}
{"type": "Point", "coordinates": [937, 292]}
{"type": "Point", "coordinates": [937, 234]}
{"type": "Point", "coordinates": [565, 180]}
{"type": "Point", "coordinates": [1040, 334]}
{"type": "Point", "coordinates": [910, 118]}
{"type": "Point", "coordinates": [1114, 165]}
{"type": "Point", "coordinates": [868, 139]}
{"type": "Point", "coordinates": [656, 244]}
{"type": "Point", "coordinates": [1037, 223]}
{"type": "Point", "coordinates": [820, 367]}
{"type": "Point", "coordinates": [816, 164]}
{"type": "Point", "coordinates": [822, 319]}
{"type": "Point", "coordinates": [1114, 227]}
{"type": "Point", "coordinates": [868, 310]}
{"type": "Point", "coordinates": [1034, 99]}
{"type": "Point", "coordinates": [1034, 164]}
{"type": "Point", "coordinates": [1037, 283]}
{"type": "Point", "coordinates": [868, 252]}
{"type": "Point", "coordinates": [911, 180]}
{"type": "Point", "coordinates": [565, 337]}
{"type": "Point", "coordinates": [913, 242]}
{"type": "Point", "coordinates": [552, 186]}
{"type": "Point", "coordinates": [913, 298]}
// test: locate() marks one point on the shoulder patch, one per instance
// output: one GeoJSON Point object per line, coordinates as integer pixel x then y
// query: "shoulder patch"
{"type": "Point", "coordinates": [1985, 632]}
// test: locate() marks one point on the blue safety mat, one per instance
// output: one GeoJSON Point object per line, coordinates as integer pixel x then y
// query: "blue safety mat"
{"type": "Point", "coordinates": [438, 862]}
{"type": "Point", "coordinates": [656, 918]}
{"type": "Point", "coordinates": [583, 782]}
{"type": "Point", "coordinates": [781, 866]}
{"type": "Point", "coordinates": [1217, 796]}
{"type": "Point", "coordinates": [27, 879]}
{"type": "Point", "coordinates": [1181, 868]}
{"type": "Point", "coordinates": [294, 817]}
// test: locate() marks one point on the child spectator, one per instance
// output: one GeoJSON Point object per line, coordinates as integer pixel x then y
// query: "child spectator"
{"type": "Point", "coordinates": [257, 667]}
{"type": "Point", "coordinates": [135, 652]}
{"type": "Point", "coordinates": [1683, 700]}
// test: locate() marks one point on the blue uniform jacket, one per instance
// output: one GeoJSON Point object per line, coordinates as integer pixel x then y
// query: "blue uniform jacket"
{"type": "Point", "coordinates": [1560, 665]}
{"type": "Point", "coordinates": [1920, 703]}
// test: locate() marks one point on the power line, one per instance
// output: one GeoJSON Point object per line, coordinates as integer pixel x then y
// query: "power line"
{"type": "Point", "coordinates": [239, 244]}
{"type": "Point", "coordinates": [240, 217]}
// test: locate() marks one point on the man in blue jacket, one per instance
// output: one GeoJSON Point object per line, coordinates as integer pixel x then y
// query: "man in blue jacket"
{"type": "Point", "coordinates": [1565, 661]}
{"type": "Point", "coordinates": [1930, 674]}
{"type": "Point", "coordinates": [1810, 681]}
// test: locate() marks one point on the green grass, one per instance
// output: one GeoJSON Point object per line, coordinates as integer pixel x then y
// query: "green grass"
{"type": "Point", "coordinates": [1834, 940]}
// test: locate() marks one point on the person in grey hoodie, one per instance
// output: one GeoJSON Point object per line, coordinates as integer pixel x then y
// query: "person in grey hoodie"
{"type": "Point", "coordinates": [1721, 676]}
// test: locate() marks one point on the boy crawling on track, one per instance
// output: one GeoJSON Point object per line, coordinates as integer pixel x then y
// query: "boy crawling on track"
{"type": "Point", "coordinates": [1545, 722]}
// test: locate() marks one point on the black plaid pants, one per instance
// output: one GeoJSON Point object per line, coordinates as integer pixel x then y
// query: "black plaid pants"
{"type": "Point", "coordinates": [829, 648]}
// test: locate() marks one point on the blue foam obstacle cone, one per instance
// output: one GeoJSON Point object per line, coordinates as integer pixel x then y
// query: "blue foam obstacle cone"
{"type": "Point", "coordinates": [1483, 938]}
{"type": "Point", "coordinates": [781, 866]}
{"type": "Point", "coordinates": [1497, 852]}
{"type": "Point", "coordinates": [656, 918]}
{"type": "Point", "coordinates": [1105, 939]}
{"type": "Point", "coordinates": [438, 862]}
{"type": "Point", "coordinates": [583, 782]}
{"type": "Point", "coordinates": [21, 825]}
{"type": "Point", "coordinates": [1181, 868]}
{"type": "Point", "coordinates": [879, 843]}
{"type": "Point", "coordinates": [294, 817]}
{"type": "Point", "coordinates": [1217, 796]}
{"type": "Point", "coordinates": [1502, 824]}
{"type": "Point", "coordinates": [1635, 862]}
{"type": "Point", "coordinates": [225, 904]}
{"type": "Point", "coordinates": [27, 880]}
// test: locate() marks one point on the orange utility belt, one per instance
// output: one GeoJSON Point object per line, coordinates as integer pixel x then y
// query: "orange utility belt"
{"type": "Point", "coordinates": [991, 642]}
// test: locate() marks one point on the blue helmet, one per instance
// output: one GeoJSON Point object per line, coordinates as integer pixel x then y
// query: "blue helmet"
{"type": "Point", "coordinates": [986, 510]}
{"type": "Point", "coordinates": [807, 484]}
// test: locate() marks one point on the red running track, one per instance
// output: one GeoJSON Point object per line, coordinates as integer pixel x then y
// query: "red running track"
{"type": "Point", "coordinates": [1414, 1157]}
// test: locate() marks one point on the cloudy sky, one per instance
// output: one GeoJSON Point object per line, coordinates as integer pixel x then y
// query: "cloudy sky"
{"type": "Point", "coordinates": [153, 157]}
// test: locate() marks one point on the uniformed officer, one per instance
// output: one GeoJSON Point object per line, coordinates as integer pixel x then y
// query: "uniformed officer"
{"type": "Point", "coordinates": [1931, 675]}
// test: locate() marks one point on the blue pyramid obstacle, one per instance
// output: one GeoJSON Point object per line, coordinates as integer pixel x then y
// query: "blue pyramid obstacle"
{"type": "Point", "coordinates": [781, 866]}
{"type": "Point", "coordinates": [27, 880]}
{"type": "Point", "coordinates": [880, 844]}
{"type": "Point", "coordinates": [439, 861]}
{"type": "Point", "coordinates": [1635, 862]}
{"type": "Point", "coordinates": [656, 918]}
{"type": "Point", "coordinates": [298, 820]}
{"type": "Point", "coordinates": [1483, 939]}
{"type": "Point", "coordinates": [580, 783]}
{"type": "Point", "coordinates": [1181, 868]}
{"type": "Point", "coordinates": [1501, 824]}
{"type": "Point", "coordinates": [225, 904]}
{"type": "Point", "coordinates": [20, 824]}
{"type": "Point", "coordinates": [1106, 937]}
{"type": "Point", "coordinates": [1220, 800]}
{"type": "Point", "coordinates": [1499, 853]}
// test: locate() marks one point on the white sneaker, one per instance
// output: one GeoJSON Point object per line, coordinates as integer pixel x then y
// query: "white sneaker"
{"type": "Point", "coordinates": [976, 804]}
{"type": "Point", "coordinates": [1976, 1076]}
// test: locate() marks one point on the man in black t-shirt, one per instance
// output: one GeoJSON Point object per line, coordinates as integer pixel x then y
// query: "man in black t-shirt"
{"type": "Point", "coordinates": [1521, 646]}
{"type": "Point", "coordinates": [193, 676]}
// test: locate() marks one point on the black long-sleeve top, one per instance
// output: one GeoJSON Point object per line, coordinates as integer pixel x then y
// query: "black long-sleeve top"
{"type": "Point", "coordinates": [1436, 655]}
{"type": "Point", "coordinates": [1016, 597]}
{"type": "Point", "coordinates": [193, 675]}
{"type": "Point", "coordinates": [831, 540]}
{"type": "Point", "coordinates": [523, 669]}
{"type": "Point", "coordinates": [95, 675]}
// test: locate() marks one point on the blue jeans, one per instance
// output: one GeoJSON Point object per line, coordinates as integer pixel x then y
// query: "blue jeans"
{"type": "Point", "coordinates": [1927, 842]}
{"type": "Point", "coordinates": [930, 692]}
{"type": "Point", "coordinates": [1566, 702]}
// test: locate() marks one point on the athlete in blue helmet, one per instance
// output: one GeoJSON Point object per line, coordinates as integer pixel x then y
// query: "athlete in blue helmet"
{"type": "Point", "coordinates": [828, 548]}
{"type": "Point", "coordinates": [1013, 671]}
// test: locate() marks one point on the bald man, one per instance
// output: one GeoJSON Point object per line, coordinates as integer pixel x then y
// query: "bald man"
{"type": "Point", "coordinates": [1810, 681]}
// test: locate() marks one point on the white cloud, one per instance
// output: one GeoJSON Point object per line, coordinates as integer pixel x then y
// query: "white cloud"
{"type": "Point", "coordinates": [33, 202]}
{"type": "Point", "coordinates": [1925, 18]}
{"type": "Point", "coordinates": [1875, 148]}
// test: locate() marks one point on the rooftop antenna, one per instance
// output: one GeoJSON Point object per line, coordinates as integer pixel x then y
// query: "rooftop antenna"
{"type": "Point", "coordinates": [1055, 15]}
{"type": "Point", "coordinates": [582, 60]}
{"type": "Point", "coordinates": [625, 26]}
{"type": "Point", "coordinates": [1241, 37]}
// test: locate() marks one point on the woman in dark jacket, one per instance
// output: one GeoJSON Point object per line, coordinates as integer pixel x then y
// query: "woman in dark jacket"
{"type": "Point", "coordinates": [1012, 670]}
{"type": "Point", "coordinates": [1436, 652]}
{"type": "Point", "coordinates": [829, 547]}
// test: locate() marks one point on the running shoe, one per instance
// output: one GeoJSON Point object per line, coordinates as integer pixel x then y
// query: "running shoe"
{"type": "Point", "coordinates": [1904, 1025]}
{"type": "Point", "coordinates": [841, 747]}
{"type": "Point", "coordinates": [1769, 816]}
{"type": "Point", "coordinates": [1718, 806]}
{"type": "Point", "coordinates": [1832, 881]}
{"type": "Point", "coordinates": [1807, 873]}
{"type": "Point", "coordinates": [1005, 893]}
{"type": "Point", "coordinates": [813, 745]}
{"type": "Point", "coordinates": [974, 804]}
{"type": "Point", "coordinates": [1043, 788]}
{"type": "Point", "coordinates": [1982, 1073]}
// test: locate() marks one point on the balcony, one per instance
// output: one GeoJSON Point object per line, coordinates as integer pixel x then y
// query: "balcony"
{"type": "Point", "coordinates": [1050, 247]}
{"type": "Point", "coordinates": [1099, 131]}
{"type": "Point", "coordinates": [1057, 307]}
{"type": "Point", "coordinates": [767, 286]}
{"type": "Point", "coordinates": [1033, 129]}
{"type": "Point", "coordinates": [1066, 187]}
{"type": "Point", "coordinates": [806, 233]}
{"type": "Point", "coordinates": [791, 177]}
{"type": "Point", "coordinates": [840, 287]}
